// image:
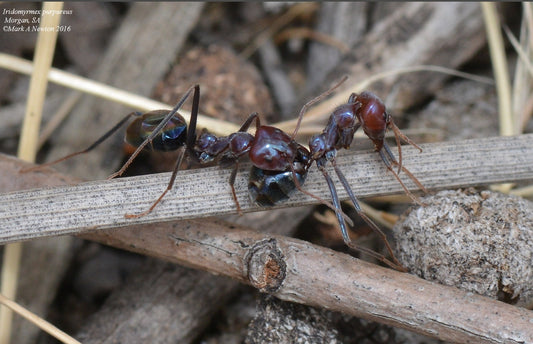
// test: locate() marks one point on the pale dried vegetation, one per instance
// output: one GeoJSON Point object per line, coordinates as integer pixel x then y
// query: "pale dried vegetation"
{"type": "Point", "coordinates": [457, 78]}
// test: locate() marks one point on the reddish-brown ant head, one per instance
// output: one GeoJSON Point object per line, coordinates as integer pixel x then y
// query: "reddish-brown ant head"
{"type": "Point", "coordinates": [372, 116]}
{"type": "Point", "coordinates": [272, 149]}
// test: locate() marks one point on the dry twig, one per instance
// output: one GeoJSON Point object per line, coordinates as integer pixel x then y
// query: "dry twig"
{"type": "Point", "coordinates": [297, 271]}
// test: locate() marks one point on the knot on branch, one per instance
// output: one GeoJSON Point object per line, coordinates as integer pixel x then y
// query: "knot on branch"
{"type": "Point", "coordinates": [266, 268]}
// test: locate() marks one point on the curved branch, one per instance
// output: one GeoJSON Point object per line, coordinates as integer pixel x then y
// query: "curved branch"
{"type": "Point", "coordinates": [294, 270]}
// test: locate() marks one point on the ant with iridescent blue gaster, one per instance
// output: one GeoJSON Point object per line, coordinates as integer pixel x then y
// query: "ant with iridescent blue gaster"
{"type": "Point", "coordinates": [280, 164]}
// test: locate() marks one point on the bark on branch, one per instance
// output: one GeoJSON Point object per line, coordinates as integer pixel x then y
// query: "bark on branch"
{"type": "Point", "coordinates": [297, 271]}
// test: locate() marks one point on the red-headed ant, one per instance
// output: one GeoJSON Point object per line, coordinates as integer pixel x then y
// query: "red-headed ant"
{"type": "Point", "coordinates": [364, 110]}
{"type": "Point", "coordinates": [375, 120]}
{"type": "Point", "coordinates": [280, 164]}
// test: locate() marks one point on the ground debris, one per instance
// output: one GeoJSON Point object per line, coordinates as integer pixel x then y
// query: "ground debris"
{"type": "Point", "coordinates": [476, 241]}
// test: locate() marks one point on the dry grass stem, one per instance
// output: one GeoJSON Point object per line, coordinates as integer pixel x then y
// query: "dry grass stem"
{"type": "Point", "coordinates": [38, 321]}
{"type": "Point", "coordinates": [205, 192]}
{"type": "Point", "coordinates": [92, 87]}
{"type": "Point", "coordinates": [27, 149]}
{"type": "Point", "coordinates": [499, 65]}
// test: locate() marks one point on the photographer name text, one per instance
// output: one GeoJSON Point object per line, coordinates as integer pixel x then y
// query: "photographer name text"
{"type": "Point", "coordinates": [18, 20]}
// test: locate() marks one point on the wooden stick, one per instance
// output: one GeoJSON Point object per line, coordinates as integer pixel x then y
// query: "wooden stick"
{"type": "Point", "coordinates": [321, 277]}
{"type": "Point", "coordinates": [297, 271]}
{"type": "Point", "coordinates": [205, 192]}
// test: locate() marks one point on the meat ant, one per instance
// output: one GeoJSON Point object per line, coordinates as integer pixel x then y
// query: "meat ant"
{"type": "Point", "coordinates": [280, 164]}
{"type": "Point", "coordinates": [364, 110]}
{"type": "Point", "coordinates": [375, 120]}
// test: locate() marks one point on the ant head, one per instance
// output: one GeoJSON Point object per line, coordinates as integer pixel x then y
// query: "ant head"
{"type": "Point", "coordinates": [203, 147]}
{"type": "Point", "coordinates": [317, 146]}
{"type": "Point", "coordinates": [303, 160]}
{"type": "Point", "coordinates": [205, 140]}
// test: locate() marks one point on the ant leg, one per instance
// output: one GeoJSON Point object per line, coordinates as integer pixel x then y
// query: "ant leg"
{"type": "Point", "coordinates": [404, 169]}
{"type": "Point", "coordinates": [188, 148]}
{"type": "Point", "coordinates": [360, 212]}
{"type": "Point", "coordinates": [88, 149]}
{"type": "Point", "coordinates": [336, 202]}
{"type": "Point", "coordinates": [338, 211]}
{"type": "Point", "coordinates": [389, 167]}
{"type": "Point", "coordinates": [312, 101]}
{"type": "Point", "coordinates": [344, 231]}
{"type": "Point", "coordinates": [399, 135]}
{"type": "Point", "coordinates": [403, 136]}
{"type": "Point", "coordinates": [169, 187]}
{"type": "Point", "coordinates": [248, 122]}
{"type": "Point", "coordinates": [191, 131]}
{"type": "Point", "coordinates": [161, 125]}
{"type": "Point", "coordinates": [232, 185]}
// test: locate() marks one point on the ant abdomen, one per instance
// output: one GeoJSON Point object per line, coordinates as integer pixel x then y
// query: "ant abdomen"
{"type": "Point", "coordinates": [268, 188]}
{"type": "Point", "coordinates": [373, 117]}
{"type": "Point", "coordinates": [171, 137]}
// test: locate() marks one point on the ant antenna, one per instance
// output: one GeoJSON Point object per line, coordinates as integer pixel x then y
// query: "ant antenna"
{"type": "Point", "coordinates": [86, 150]}
{"type": "Point", "coordinates": [314, 100]}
